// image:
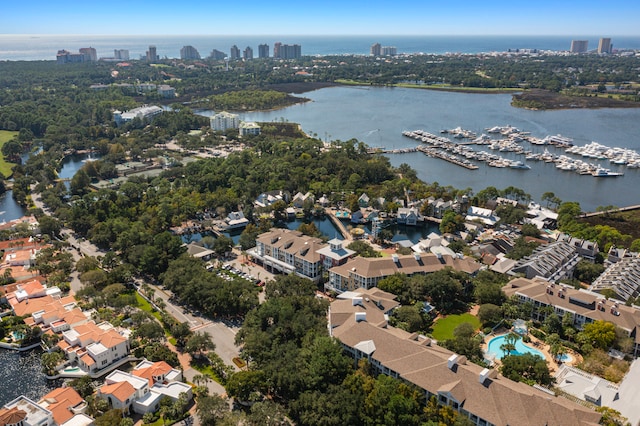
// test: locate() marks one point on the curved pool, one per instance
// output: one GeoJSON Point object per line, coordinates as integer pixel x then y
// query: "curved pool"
{"type": "Point", "coordinates": [494, 351]}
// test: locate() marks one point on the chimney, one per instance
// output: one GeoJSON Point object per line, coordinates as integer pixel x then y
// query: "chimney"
{"type": "Point", "coordinates": [456, 359]}
{"type": "Point", "coordinates": [356, 301]}
{"type": "Point", "coordinates": [487, 374]}
{"type": "Point", "coordinates": [416, 256]}
{"type": "Point", "coordinates": [361, 316]}
{"type": "Point", "coordinates": [395, 258]}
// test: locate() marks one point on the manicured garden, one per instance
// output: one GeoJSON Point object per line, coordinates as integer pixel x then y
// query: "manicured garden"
{"type": "Point", "coordinates": [443, 328]}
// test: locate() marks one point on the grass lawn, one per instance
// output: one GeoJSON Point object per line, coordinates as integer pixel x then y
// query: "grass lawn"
{"type": "Point", "coordinates": [146, 306]}
{"type": "Point", "coordinates": [5, 167]}
{"type": "Point", "coordinates": [443, 328]}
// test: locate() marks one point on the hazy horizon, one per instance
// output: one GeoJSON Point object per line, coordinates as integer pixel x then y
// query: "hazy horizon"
{"type": "Point", "coordinates": [402, 18]}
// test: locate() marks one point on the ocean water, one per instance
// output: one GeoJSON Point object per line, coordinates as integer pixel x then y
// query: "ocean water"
{"type": "Point", "coordinates": [20, 47]}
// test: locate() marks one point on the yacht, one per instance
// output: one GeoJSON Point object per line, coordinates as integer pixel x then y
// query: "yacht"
{"type": "Point", "coordinates": [519, 165]}
{"type": "Point", "coordinates": [602, 172]}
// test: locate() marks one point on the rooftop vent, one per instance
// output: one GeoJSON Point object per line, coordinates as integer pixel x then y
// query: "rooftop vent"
{"type": "Point", "coordinates": [456, 359]}
{"type": "Point", "coordinates": [361, 316]}
{"type": "Point", "coordinates": [395, 258]}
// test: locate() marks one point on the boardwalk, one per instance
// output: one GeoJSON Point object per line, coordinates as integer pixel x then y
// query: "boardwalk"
{"type": "Point", "coordinates": [338, 223]}
{"type": "Point", "coordinates": [618, 210]}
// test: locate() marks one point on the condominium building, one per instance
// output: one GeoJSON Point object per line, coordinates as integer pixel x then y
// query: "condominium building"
{"type": "Point", "coordinates": [623, 277]}
{"type": "Point", "coordinates": [145, 113]}
{"type": "Point", "coordinates": [584, 306]}
{"type": "Point", "coordinates": [290, 252]}
{"type": "Point", "coordinates": [217, 55]}
{"type": "Point", "coordinates": [359, 322]}
{"type": "Point", "coordinates": [234, 53]}
{"type": "Point", "coordinates": [366, 272]}
{"type": "Point", "coordinates": [152, 54]}
{"type": "Point", "coordinates": [376, 49]}
{"type": "Point", "coordinates": [247, 53]}
{"type": "Point", "coordinates": [388, 51]}
{"type": "Point", "coordinates": [66, 57]}
{"type": "Point", "coordinates": [552, 262]}
{"type": "Point", "coordinates": [579, 46]}
{"type": "Point", "coordinates": [224, 120]}
{"type": "Point", "coordinates": [263, 51]}
{"type": "Point", "coordinates": [89, 54]}
{"type": "Point", "coordinates": [122, 54]}
{"type": "Point", "coordinates": [248, 128]}
{"type": "Point", "coordinates": [605, 46]}
{"type": "Point", "coordinates": [287, 51]}
{"type": "Point", "coordinates": [189, 53]}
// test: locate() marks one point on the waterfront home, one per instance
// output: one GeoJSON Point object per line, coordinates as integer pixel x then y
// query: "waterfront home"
{"type": "Point", "coordinates": [200, 252]}
{"type": "Point", "coordinates": [408, 216]}
{"type": "Point", "coordinates": [236, 220]}
{"type": "Point", "coordinates": [67, 407]}
{"type": "Point", "coordinates": [588, 250]}
{"type": "Point", "coordinates": [94, 347]}
{"type": "Point", "coordinates": [485, 216]}
{"type": "Point", "coordinates": [22, 411]}
{"type": "Point", "coordinates": [363, 201]}
{"type": "Point", "coordinates": [299, 199]}
{"type": "Point", "coordinates": [143, 388]}
{"type": "Point", "coordinates": [268, 198]}
{"type": "Point", "coordinates": [30, 223]}
{"type": "Point", "coordinates": [360, 323]}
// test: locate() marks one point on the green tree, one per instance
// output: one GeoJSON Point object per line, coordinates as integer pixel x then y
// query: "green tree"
{"type": "Point", "coordinates": [489, 314]}
{"type": "Point", "coordinates": [198, 343]}
{"type": "Point", "coordinates": [526, 368]}
{"type": "Point", "coordinates": [600, 334]}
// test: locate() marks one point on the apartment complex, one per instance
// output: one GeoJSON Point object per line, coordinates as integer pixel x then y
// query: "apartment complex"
{"type": "Point", "coordinates": [584, 306]}
{"type": "Point", "coordinates": [359, 322]}
{"type": "Point", "coordinates": [290, 252]}
{"type": "Point", "coordinates": [552, 262]}
{"type": "Point", "coordinates": [366, 272]}
{"type": "Point", "coordinates": [376, 49]}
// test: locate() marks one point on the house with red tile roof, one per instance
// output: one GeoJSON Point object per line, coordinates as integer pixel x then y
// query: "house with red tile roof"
{"type": "Point", "coordinates": [22, 411]}
{"type": "Point", "coordinates": [67, 407]}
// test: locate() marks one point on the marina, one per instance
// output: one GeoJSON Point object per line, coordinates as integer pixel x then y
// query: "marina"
{"type": "Point", "coordinates": [452, 152]}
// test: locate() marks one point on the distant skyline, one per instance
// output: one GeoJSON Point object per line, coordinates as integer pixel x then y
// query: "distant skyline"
{"type": "Point", "coordinates": [252, 17]}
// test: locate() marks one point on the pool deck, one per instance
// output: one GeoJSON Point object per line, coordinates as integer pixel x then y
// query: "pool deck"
{"type": "Point", "coordinates": [542, 347]}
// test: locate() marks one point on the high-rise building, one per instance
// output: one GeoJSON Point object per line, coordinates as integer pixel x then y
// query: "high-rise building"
{"type": "Point", "coordinates": [189, 53]}
{"type": "Point", "coordinates": [579, 46]}
{"type": "Point", "coordinates": [287, 51]}
{"type": "Point", "coordinates": [122, 54]}
{"type": "Point", "coordinates": [263, 51]}
{"type": "Point", "coordinates": [235, 53]}
{"type": "Point", "coordinates": [376, 49]}
{"type": "Point", "coordinates": [217, 55]}
{"type": "Point", "coordinates": [388, 51]}
{"type": "Point", "coordinates": [65, 57]}
{"type": "Point", "coordinates": [247, 54]}
{"type": "Point", "coordinates": [152, 54]}
{"type": "Point", "coordinates": [605, 46]}
{"type": "Point", "coordinates": [276, 50]}
{"type": "Point", "coordinates": [89, 54]}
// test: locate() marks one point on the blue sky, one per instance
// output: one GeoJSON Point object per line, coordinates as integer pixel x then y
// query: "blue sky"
{"type": "Point", "coordinates": [345, 17]}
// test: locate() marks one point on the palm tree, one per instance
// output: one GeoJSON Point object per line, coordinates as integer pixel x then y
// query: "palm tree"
{"type": "Point", "coordinates": [509, 344]}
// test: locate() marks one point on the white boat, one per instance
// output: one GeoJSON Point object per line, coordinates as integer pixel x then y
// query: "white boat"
{"type": "Point", "coordinates": [519, 165]}
{"type": "Point", "coordinates": [602, 172]}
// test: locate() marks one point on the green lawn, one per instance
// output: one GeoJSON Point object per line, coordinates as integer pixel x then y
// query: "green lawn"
{"type": "Point", "coordinates": [443, 328]}
{"type": "Point", "coordinates": [5, 167]}
{"type": "Point", "coordinates": [146, 306]}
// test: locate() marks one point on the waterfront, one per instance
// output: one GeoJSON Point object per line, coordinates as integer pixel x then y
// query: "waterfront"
{"type": "Point", "coordinates": [24, 47]}
{"type": "Point", "coordinates": [338, 113]}
{"type": "Point", "coordinates": [21, 374]}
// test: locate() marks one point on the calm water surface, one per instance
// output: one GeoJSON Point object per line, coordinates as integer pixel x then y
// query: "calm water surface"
{"type": "Point", "coordinates": [377, 116]}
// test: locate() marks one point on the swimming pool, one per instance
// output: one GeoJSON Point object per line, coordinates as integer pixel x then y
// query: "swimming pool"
{"type": "Point", "coordinates": [566, 358]}
{"type": "Point", "coordinates": [494, 351]}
